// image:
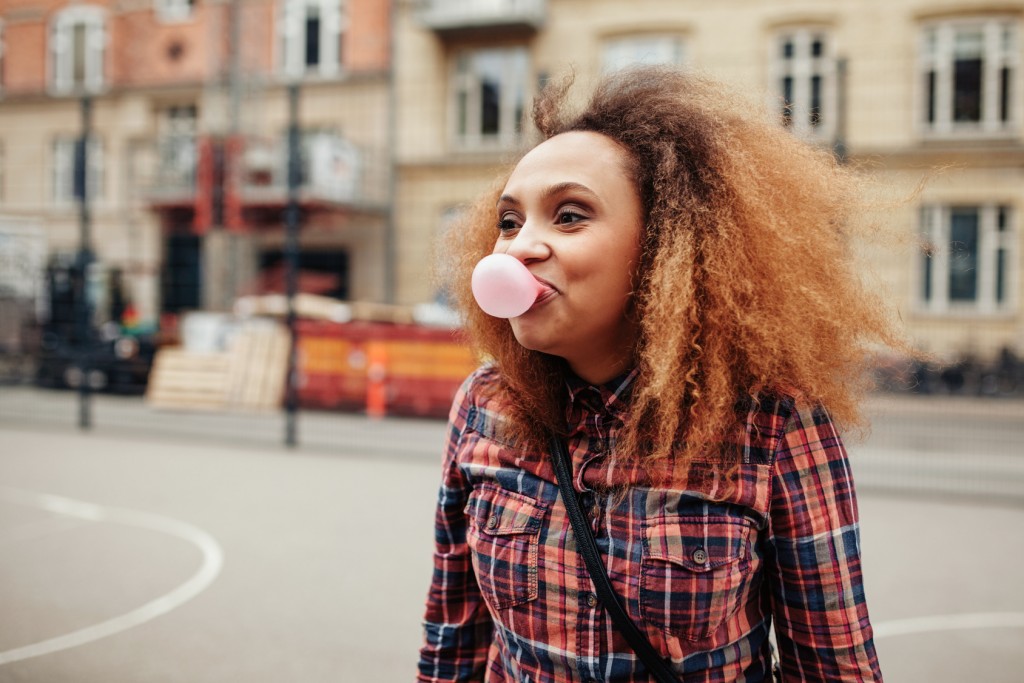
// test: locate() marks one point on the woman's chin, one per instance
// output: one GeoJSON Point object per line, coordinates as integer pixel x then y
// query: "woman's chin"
{"type": "Point", "coordinates": [533, 340]}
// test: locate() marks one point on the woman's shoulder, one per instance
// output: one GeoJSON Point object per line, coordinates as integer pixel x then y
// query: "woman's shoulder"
{"type": "Point", "coordinates": [783, 406]}
{"type": "Point", "coordinates": [480, 392]}
{"type": "Point", "coordinates": [768, 410]}
{"type": "Point", "coordinates": [481, 405]}
{"type": "Point", "coordinates": [481, 386]}
{"type": "Point", "coordinates": [770, 417]}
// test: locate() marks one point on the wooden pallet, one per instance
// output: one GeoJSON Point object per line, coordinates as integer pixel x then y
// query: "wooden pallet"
{"type": "Point", "coordinates": [249, 375]}
{"type": "Point", "coordinates": [187, 379]}
{"type": "Point", "coordinates": [259, 367]}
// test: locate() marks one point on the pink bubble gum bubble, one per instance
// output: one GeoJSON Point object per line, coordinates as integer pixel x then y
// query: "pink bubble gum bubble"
{"type": "Point", "coordinates": [503, 287]}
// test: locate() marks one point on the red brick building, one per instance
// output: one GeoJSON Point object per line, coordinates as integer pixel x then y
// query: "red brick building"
{"type": "Point", "coordinates": [187, 156]}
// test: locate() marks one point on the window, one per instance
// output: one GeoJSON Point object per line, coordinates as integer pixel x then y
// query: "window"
{"type": "Point", "coordinates": [489, 97]}
{"type": "Point", "coordinates": [804, 75]}
{"type": "Point", "coordinates": [643, 49]}
{"type": "Point", "coordinates": [77, 46]}
{"type": "Point", "coordinates": [968, 264]}
{"type": "Point", "coordinates": [969, 74]}
{"type": "Point", "coordinates": [311, 35]}
{"type": "Point", "coordinates": [177, 146]}
{"type": "Point", "coordinates": [173, 10]}
{"type": "Point", "coordinates": [64, 169]}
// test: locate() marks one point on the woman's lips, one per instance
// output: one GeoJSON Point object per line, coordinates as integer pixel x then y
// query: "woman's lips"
{"type": "Point", "coordinates": [547, 293]}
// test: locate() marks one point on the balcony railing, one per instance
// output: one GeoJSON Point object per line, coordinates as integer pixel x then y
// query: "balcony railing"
{"type": "Point", "coordinates": [332, 170]}
{"type": "Point", "coordinates": [464, 16]}
{"type": "Point", "coordinates": [221, 179]}
{"type": "Point", "coordinates": [174, 179]}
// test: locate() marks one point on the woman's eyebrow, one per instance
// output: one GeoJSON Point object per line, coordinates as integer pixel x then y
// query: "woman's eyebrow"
{"type": "Point", "coordinates": [562, 188]}
{"type": "Point", "coordinates": [552, 191]}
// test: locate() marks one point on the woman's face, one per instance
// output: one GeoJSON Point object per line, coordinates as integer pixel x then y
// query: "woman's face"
{"type": "Point", "coordinates": [572, 214]}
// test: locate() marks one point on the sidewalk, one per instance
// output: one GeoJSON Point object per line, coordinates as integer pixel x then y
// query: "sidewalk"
{"type": "Point", "coordinates": [938, 404]}
{"type": "Point", "coordinates": [330, 431]}
{"type": "Point", "coordinates": [937, 445]}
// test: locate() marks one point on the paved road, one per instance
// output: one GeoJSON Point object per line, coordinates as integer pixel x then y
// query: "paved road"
{"type": "Point", "coordinates": [228, 558]}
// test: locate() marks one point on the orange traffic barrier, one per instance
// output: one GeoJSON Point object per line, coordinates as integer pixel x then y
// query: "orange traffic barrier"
{"type": "Point", "coordinates": [376, 379]}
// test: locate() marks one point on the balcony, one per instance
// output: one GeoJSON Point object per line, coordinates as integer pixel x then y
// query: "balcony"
{"type": "Point", "coordinates": [333, 172]}
{"type": "Point", "coordinates": [174, 179]}
{"type": "Point", "coordinates": [465, 18]}
{"type": "Point", "coordinates": [241, 182]}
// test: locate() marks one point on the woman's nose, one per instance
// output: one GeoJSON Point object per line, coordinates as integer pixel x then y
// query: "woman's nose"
{"type": "Point", "coordinates": [528, 245]}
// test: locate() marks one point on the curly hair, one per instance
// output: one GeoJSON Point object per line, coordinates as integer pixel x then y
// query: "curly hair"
{"type": "Point", "coordinates": [747, 283]}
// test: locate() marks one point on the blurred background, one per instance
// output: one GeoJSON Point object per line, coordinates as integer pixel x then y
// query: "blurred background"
{"type": "Point", "coordinates": [225, 358]}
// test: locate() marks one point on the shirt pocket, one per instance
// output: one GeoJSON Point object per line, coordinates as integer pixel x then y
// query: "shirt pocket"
{"type": "Point", "coordinates": [694, 573]}
{"type": "Point", "coordinates": [503, 536]}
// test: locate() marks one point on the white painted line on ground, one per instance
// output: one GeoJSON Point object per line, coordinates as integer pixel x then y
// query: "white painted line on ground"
{"type": "Point", "coordinates": [948, 622]}
{"type": "Point", "coordinates": [213, 560]}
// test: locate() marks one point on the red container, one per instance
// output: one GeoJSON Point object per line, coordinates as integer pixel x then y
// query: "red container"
{"type": "Point", "coordinates": [422, 367]}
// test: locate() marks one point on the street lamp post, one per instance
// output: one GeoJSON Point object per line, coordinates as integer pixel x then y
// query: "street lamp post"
{"type": "Point", "coordinates": [83, 260]}
{"type": "Point", "coordinates": [291, 258]}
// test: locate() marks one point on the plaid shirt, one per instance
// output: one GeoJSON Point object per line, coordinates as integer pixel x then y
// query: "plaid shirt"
{"type": "Point", "coordinates": [703, 567]}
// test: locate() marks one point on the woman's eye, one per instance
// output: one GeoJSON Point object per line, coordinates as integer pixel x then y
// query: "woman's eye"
{"type": "Point", "coordinates": [569, 217]}
{"type": "Point", "coordinates": [507, 225]}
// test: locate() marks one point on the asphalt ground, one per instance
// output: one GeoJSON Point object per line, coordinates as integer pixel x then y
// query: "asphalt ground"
{"type": "Point", "coordinates": [190, 548]}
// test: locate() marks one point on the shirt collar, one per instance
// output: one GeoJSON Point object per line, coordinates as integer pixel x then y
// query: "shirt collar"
{"type": "Point", "coordinates": [612, 397]}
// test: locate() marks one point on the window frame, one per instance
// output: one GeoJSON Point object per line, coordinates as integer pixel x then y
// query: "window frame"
{"type": "Point", "coordinates": [935, 226]}
{"type": "Point", "coordinates": [174, 11]}
{"type": "Point", "coordinates": [62, 170]}
{"type": "Point", "coordinates": [936, 54]}
{"type": "Point", "coordinates": [292, 40]}
{"type": "Point", "coordinates": [631, 43]}
{"type": "Point", "coordinates": [60, 53]}
{"type": "Point", "coordinates": [511, 128]}
{"type": "Point", "coordinates": [803, 67]}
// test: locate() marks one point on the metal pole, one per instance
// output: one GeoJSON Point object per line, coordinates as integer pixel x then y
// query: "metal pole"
{"type": "Point", "coordinates": [82, 263]}
{"type": "Point", "coordinates": [839, 147]}
{"type": "Point", "coordinates": [291, 257]}
{"type": "Point", "coordinates": [390, 257]}
{"type": "Point", "coordinates": [234, 66]}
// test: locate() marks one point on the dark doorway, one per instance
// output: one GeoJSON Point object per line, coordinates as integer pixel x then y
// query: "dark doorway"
{"type": "Point", "coordinates": [324, 272]}
{"type": "Point", "coordinates": [182, 275]}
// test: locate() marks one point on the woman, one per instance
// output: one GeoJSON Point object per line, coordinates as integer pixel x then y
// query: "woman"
{"type": "Point", "coordinates": [699, 312]}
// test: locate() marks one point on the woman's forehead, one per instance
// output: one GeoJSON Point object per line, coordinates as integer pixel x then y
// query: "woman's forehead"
{"type": "Point", "coordinates": [584, 157]}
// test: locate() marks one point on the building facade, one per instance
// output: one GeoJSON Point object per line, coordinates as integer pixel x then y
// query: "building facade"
{"type": "Point", "coordinates": [187, 152]}
{"type": "Point", "coordinates": [409, 108]}
{"type": "Point", "coordinates": [913, 90]}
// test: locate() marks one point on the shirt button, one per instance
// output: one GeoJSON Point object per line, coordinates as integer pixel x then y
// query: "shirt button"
{"type": "Point", "coordinates": [591, 600]}
{"type": "Point", "coordinates": [700, 556]}
{"type": "Point", "coordinates": [492, 522]}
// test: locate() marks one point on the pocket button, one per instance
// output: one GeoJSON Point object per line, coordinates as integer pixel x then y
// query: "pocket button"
{"type": "Point", "coordinates": [700, 556]}
{"type": "Point", "coordinates": [492, 522]}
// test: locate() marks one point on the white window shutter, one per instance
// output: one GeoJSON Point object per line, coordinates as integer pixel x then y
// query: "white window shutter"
{"type": "Point", "coordinates": [292, 29]}
{"type": "Point", "coordinates": [330, 33]}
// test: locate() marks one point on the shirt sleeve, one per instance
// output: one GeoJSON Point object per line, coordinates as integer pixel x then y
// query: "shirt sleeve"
{"type": "Point", "coordinates": [817, 589]}
{"type": "Point", "coordinates": [458, 627]}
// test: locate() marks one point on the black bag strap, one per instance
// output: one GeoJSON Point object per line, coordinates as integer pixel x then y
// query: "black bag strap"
{"type": "Point", "coordinates": [656, 665]}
